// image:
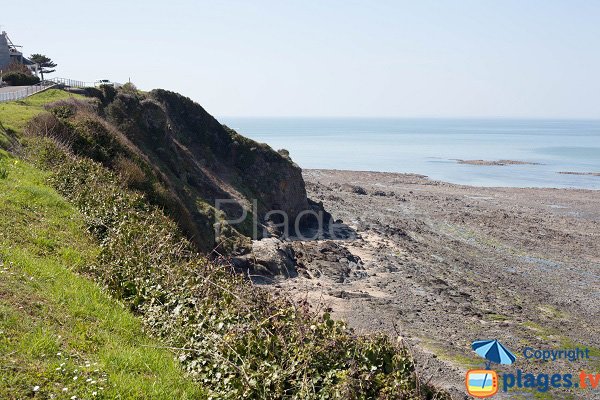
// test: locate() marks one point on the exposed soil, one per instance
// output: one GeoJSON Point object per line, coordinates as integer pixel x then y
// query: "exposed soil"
{"type": "Point", "coordinates": [443, 265]}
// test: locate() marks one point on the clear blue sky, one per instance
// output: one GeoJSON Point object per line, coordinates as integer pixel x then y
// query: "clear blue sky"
{"type": "Point", "coordinates": [478, 58]}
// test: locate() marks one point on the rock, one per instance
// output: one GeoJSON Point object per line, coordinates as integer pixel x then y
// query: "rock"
{"type": "Point", "coordinates": [354, 189]}
{"type": "Point", "coordinates": [342, 294]}
{"type": "Point", "coordinates": [269, 260]}
{"type": "Point", "coordinates": [328, 259]}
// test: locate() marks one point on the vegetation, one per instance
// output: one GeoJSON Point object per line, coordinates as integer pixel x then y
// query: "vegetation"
{"type": "Point", "coordinates": [16, 78]}
{"type": "Point", "coordinates": [16, 66]}
{"type": "Point", "coordinates": [17, 74]}
{"type": "Point", "coordinates": [60, 334]}
{"type": "Point", "coordinates": [234, 339]}
{"type": "Point", "coordinates": [14, 116]}
{"type": "Point", "coordinates": [44, 64]}
{"type": "Point", "coordinates": [129, 88]}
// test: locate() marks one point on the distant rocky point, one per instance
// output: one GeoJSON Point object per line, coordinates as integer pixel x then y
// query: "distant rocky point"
{"type": "Point", "coordinates": [579, 173]}
{"type": "Point", "coordinates": [495, 163]}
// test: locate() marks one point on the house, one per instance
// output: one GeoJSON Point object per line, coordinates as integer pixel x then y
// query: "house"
{"type": "Point", "coordinates": [9, 53]}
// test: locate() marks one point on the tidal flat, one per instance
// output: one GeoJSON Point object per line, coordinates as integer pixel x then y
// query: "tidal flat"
{"type": "Point", "coordinates": [442, 265]}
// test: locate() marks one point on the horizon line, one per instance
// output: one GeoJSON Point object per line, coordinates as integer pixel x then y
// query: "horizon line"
{"type": "Point", "coordinates": [560, 118]}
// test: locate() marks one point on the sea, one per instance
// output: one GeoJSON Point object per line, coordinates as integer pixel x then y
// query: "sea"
{"type": "Point", "coordinates": [432, 147]}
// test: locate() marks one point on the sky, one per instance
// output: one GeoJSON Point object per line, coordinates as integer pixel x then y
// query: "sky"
{"type": "Point", "coordinates": [355, 58]}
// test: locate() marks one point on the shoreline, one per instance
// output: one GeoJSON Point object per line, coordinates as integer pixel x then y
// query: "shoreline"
{"type": "Point", "coordinates": [444, 182]}
{"type": "Point", "coordinates": [443, 264]}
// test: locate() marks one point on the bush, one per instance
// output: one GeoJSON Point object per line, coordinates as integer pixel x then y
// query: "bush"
{"type": "Point", "coordinates": [15, 66]}
{"type": "Point", "coordinates": [48, 125]}
{"type": "Point", "coordinates": [93, 93]}
{"type": "Point", "coordinates": [129, 88]}
{"type": "Point", "coordinates": [132, 174]}
{"type": "Point", "coordinates": [16, 78]}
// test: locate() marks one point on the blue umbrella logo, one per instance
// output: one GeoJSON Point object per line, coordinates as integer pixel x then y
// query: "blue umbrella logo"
{"type": "Point", "coordinates": [484, 383]}
{"type": "Point", "coordinates": [493, 351]}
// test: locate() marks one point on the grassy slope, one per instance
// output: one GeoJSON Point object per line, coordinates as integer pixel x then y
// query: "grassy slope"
{"type": "Point", "coordinates": [15, 114]}
{"type": "Point", "coordinates": [58, 329]}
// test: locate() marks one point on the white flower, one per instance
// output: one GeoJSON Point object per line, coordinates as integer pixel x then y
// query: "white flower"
{"type": "Point", "coordinates": [36, 388]}
{"type": "Point", "coordinates": [94, 393]}
{"type": "Point", "coordinates": [65, 389]}
{"type": "Point", "coordinates": [73, 397]}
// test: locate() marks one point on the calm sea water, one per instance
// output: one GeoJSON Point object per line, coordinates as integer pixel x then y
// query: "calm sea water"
{"type": "Point", "coordinates": [430, 147]}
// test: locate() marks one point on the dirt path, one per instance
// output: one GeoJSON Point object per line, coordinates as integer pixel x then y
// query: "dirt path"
{"type": "Point", "coordinates": [447, 264]}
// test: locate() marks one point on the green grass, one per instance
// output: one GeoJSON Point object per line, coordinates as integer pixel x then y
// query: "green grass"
{"type": "Point", "coordinates": [497, 317]}
{"type": "Point", "coordinates": [14, 115]}
{"type": "Point", "coordinates": [58, 330]}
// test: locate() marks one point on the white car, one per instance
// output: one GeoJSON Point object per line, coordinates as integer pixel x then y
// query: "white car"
{"type": "Point", "coordinates": [106, 82]}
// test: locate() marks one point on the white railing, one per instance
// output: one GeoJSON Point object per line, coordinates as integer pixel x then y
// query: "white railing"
{"type": "Point", "coordinates": [30, 90]}
{"type": "Point", "coordinates": [25, 92]}
{"type": "Point", "coordinates": [72, 82]}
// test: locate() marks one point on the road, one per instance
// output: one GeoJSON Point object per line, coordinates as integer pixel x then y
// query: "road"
{"type": "Point", "coordinates": [10, 89]}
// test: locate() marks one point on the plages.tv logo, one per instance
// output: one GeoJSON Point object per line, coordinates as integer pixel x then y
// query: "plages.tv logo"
{"type": "Point", "coordinates": [482, 383]}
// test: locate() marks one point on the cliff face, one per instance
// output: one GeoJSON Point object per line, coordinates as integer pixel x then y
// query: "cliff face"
{"type": "Point", "coordinates": [170, 148]}
{"type": "Point", "coordinates": [228, 159]}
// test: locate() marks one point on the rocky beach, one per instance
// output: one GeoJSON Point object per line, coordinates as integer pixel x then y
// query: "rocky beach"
{"type": "Point", "coordinates": [441, 265]}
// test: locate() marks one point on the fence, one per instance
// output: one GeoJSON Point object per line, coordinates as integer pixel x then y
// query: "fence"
{"type": "Point", "coordinates": [72, 83]}
{"type": "Point", "coordinates": [25, 92]}
{"type": "Point", "coordinates": [29, 90]}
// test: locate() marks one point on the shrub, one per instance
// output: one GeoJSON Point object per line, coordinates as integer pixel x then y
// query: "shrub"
{"type": "Point", "coordinates": [129, 88]}
{"type": "Point", "coordinates": [18, 67]}
{"type": "Point", "coordinates": [108, 92]}
{"type": "Point", "coordinates": [48, 125]}
{"type": "Point", "coordinates": [93, 92]}
{"type": "Point", "coordinates": [17, 78]}
{"type": "Point", "coordinates": [132, 174]}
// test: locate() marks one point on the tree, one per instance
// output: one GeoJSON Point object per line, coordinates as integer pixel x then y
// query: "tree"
{"type": "Point", "coordinates": [43, 63]}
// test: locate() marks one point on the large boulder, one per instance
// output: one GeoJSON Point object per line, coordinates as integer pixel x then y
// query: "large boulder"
{"type": "Point", "coordinates": [269, 260]}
